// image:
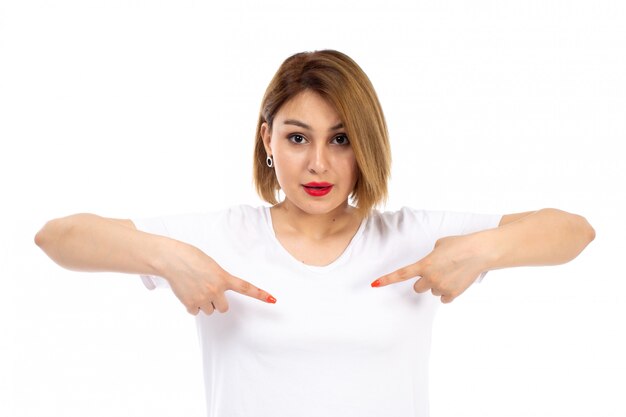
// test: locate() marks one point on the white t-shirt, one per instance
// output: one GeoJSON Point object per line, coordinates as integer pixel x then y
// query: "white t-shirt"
{"type": "Point", "coordinates": [332, 345]}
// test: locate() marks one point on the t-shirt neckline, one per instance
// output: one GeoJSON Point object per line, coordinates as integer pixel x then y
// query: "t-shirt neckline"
{"type": "Point", "coordinates": [313, 268]}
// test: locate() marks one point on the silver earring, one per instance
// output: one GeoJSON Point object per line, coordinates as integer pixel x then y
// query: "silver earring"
{"type": "Point", "coordinates": [269, 161]}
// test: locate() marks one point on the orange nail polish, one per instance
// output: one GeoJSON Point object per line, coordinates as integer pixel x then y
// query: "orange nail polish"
{"type": "Point", "coordinates": [270, 299]}
{"type": "Point", "coordinates": [375, 283]}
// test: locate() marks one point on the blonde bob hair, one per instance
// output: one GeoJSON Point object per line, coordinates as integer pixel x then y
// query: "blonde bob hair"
{"type": "Point", "coordinates": [339, 80]}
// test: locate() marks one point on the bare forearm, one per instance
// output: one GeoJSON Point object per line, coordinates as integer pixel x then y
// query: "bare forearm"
{"type": "Point", "coordinates": [87, 242]}
{"type": "Point", "coordinates": [545, 237]}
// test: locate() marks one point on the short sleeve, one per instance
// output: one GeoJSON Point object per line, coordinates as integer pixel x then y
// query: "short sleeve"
{"type": "Point", "coordinates": [157, 227]}
{"type": "Point", "coordinates": [449, 223]}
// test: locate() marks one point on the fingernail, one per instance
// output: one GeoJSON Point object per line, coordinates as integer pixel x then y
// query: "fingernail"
{"type": "Point", "coordinates": [270, 299]}
{"type": "Point", "coordinates": [376, 283]}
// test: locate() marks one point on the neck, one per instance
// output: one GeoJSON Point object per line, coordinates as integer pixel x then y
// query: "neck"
{"type": "Point", "coordinates": [314, 226]}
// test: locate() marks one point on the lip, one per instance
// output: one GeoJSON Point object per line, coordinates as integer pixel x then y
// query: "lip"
{"type": "Point", "coordinates": [317, 189]}
{"type": "Point", "coordinates": [318, 184]}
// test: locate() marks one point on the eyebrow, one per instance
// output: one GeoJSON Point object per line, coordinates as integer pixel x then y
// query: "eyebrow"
{"type": "Point", "coordinates": [306, 126]}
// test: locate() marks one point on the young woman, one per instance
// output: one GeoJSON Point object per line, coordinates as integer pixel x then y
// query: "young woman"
{"type": "Point", "coordinates": [332, 345]}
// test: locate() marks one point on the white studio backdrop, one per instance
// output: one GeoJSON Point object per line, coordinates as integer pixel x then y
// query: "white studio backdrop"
{"type": "Point", "coordinates": [140, 108]}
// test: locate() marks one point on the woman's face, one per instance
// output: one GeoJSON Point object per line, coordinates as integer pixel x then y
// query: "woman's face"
{"type": "Point", "coordinates": [314, 161]}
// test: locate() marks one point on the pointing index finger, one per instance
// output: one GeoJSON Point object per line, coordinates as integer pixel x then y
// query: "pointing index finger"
{"type": "Point", "coordinates": [402, 274]}
{"type": "Point", "coordinates": [244, 287]}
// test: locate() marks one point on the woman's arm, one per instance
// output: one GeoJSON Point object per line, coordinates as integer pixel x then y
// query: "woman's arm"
{"type": "Point", "coordinates": [544, 237]}
{"type": "Point", "coordinates": [86, 242]}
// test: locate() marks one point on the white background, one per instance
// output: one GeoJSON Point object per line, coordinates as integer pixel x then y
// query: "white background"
{"type": "Point", "coordinates": [141, 108]}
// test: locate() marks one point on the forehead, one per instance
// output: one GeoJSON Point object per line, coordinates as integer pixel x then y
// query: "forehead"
{"type": "Point", "coordinates": [309, 107]}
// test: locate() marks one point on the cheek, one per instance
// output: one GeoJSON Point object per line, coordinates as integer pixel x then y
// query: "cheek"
{"type": "Point", "coordinates": [287, 166]}
{"type": "Point", "coordinates": [350, 167]}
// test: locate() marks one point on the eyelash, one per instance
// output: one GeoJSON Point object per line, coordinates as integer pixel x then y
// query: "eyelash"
{"type": "Point", "coordinates": [291, 139]}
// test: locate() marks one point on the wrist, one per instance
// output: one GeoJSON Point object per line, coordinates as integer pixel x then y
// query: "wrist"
{"type": "Point", "coordinates": [161, 250]}
{"type": "Point", "coordinates": [173, 258]}
{"type": "Point", "coordinates": [489, 248]}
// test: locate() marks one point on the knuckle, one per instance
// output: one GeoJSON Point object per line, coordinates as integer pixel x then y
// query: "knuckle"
{"type": "Point", "coordinates": [220, 278]}
{"type": "Point", "coordinates": [199, 299]}
{"type": "Point", "coordinates": [436, 279]}
{"type": "Point", "coordinates": [427, 263]}
{"type": "Point", "coordinates": [209, 290]}
{"type": "Point", "coordinates": [261, 295]}
{"type": "Point", "coordinates": [403, 274]}
{"type": "Point", "coordinates": [447, 299]}
{"type": "Point", "coordinates": [442, 289]}
{"type": "Point", "coordinates": [244, 287]}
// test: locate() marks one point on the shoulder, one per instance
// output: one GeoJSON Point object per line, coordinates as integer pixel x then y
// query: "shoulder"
{"type": "Point", "coordinates": [244, 210]}
{"type": "Point", "coordinates": [194, 223]}
{"type": "Point", "coordinates": [404, 220]}
{"type": "Point", "coordinates": [402, 217]}
{"type": "Point", "coordinates": [243, 214]}
{"type": "Point", "coordinates": [436, 223]}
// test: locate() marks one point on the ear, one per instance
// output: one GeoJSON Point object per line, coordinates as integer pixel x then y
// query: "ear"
{"type": "Point", "coordinates": [266, 135]}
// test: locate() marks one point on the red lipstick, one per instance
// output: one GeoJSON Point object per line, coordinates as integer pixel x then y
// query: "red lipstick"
{"type": "Point", "coordinates": [317, 189]}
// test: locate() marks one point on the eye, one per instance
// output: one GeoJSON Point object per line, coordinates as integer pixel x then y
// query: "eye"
{"type": "Point", "coordinates": [298, 139]}
{"type": "Point", "coordinates": [341, 140]}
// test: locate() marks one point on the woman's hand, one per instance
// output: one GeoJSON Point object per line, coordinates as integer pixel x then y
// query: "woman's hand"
{"type": "Point", "coordinates": [544, 237]}
{"type": "Point", "coordinates": [200, 283]}
{"type": "Point", "coordinates": [87, 242]}
{"type": "Point", "coordinates": [452, 266]}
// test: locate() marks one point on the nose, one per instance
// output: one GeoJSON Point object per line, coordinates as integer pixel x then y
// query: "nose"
{"type": "Point", "coordinates": [318, 159]}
